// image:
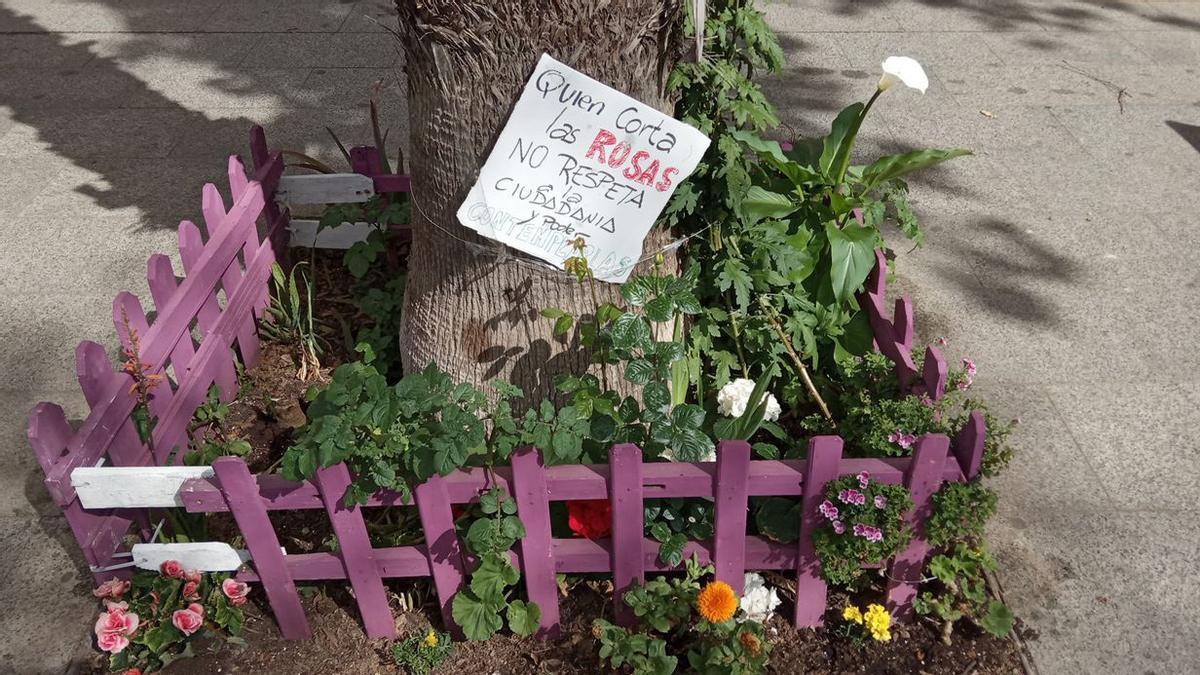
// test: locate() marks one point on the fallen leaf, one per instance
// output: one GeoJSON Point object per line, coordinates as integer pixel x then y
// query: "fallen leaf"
{"type": "Point", "coordinates": [987, 113]}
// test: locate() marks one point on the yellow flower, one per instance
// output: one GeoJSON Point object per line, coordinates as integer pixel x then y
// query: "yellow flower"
{"type": "Point", "coordinates": [878, 621]}
{"type": "Point", "coordinates": [851, 613]}
{"type": "Point", "coordinates": [431, 639]}
{"type": "Point", "coordinates": [717, 602]}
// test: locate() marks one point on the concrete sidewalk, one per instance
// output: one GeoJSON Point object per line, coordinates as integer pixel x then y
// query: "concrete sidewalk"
{"type": "Point", "coordinates": [1061, 257]}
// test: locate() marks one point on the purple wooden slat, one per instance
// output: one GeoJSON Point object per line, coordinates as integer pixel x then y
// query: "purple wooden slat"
{"type": "Point", "coordinates": [354, 548]}
{"type": "Point", "coordinates": [241, 493]}
{"type": "Point", "coordinates": [392, 184]}
{"type": "Point", "coordinates": [127, 306]}
{"type": "Point", "coordinates": [445, 554]}
{"type": "Point", "coordinates": [160, 276]}
{"type": "Point", "coordinates": [628, 553]}
{"type": "Point", "coordinates": [99, 532]}
{"type": "Point", "coordinates": [968, 444]}
{"type": "Point", "coordinates": [877, 280]}
{"type": "Point", "coordinates": [102, 424]}
{"type": "Point", "coordinates": [238, 184]}
{"type": "Point", "coordinates": [934, 373]}
{"type": "Point", "coordinates": [529, 491]}
{"type": "Point", "coordinates": [214, 352]}
{"type": "Point", "coordinates": [95, 374]}
{"type": "Point", "coordinates": [730, 488]}
{"type": "Point", "coordinates": [214, 216]}
{"type": "Point", "coordinates": [191, 248]}
{"type": "Point", "coordinates": [397, 562]}
{"type": "Point", "coordinates": [824, 454]}
{"type": "Point", "coordinates": [268, 167]}
{"type": "Point", "coordinates": [580, 481]}
{"type": "Point", "coordinates": [902, 323]}
{"type": "Point", "coordinates": [922, 481]}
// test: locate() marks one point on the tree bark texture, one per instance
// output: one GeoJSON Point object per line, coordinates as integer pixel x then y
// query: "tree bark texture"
{"type": "Point", "coordinates": [476, 312]}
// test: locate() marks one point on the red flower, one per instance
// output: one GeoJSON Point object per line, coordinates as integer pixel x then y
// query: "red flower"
{"type": "Point", "coordinates": [590, 518]}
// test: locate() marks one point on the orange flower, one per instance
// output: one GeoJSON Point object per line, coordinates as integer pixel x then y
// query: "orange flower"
{"type": "Point", "coordinates": [717, 602]}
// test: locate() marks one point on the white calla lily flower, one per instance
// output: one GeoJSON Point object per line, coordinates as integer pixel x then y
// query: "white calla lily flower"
{"type": "Point", "coordinates": [904, 70]}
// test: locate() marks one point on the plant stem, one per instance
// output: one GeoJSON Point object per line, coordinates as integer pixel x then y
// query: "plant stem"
{"type": "Point", "coordinates": [596, 322]}
{"type": "Point", "coordinates": [787, 343]}
{"type": "Point", "coordinates": [737, 336]}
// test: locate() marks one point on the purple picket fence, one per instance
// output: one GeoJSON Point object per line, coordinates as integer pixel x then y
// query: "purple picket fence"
{"type": "Point", "coordinates": [222, 297]}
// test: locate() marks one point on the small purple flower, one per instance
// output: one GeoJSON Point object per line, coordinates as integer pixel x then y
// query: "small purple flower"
{"type": "Point", "coordinates": [828, 510]}
{"type": "Point", "coordinates": [838, 527]}
{"type": "Point", "coordinates": [863, 479]}
{"type": "Point", "coordinates": [861, 530]}
{"type": "Point", "coordinates": [852, 497]}
{"type": "Point", "coordinates": [880, 502]}
{"type": "Point", "coordinates": [904, 440]}
{"type": "Point", "coordinates": [876, 535]}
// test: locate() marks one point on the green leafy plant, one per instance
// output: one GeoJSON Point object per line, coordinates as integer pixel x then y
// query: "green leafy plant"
{"type": "Point", "coordinates": [212, 412]}
{"type": "Point", "coordinates": [730, 648]}
{"type": "Point", "coordinates": [420, 653]}
{"type": "Point", "coordinates": [963, 593]}
{"type": "Point", "coordinates": [391, 436]}
{"type": "Point", "coordinates": [864, 525]}
{"type": "Point", "coordinates": [639, 653]}
{"type": "Point", "coordinates": [674, 522]}
{"type": "Point", "coordinates": [481, 608]}
{"type": "Point", "coordinates": [291, 319]}
{"type": "Point", "coordinates": [206, 450]}
{"type": "Point", "coordinates": [960, 512]}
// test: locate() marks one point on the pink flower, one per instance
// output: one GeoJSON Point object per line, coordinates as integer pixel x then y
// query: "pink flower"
{"type": "Point", "coordinates": [116, 620]}
{"type": "Point", "coordinates": [969, 366]}
{"type": "Point", "coordinates": [852, 497]}
{"type": "Point", "coordinates": [172, 568]}
{"type": "Point", "coordinates": [863, 479]}
{"type": "Point", "coordinates": [190, 591]}
{"type": "Point", "coordinates": [154, 601]}
{"type": "Point", "coordinates": [110, 606]}
{"type": "Point", "coordinates": [236, 591]}
{"type": "Point", "coordinates": [111, 589]}
{"type": "Point", "coordinates": [113, 643]}
{"type": "Point", "coordinates": [880, 502]}
{"type": "Point", "coordinates": [192, 576]}
{"type": "Point", "coordinates": [904, 440]}
{"type": "Point", "coordinates": [838, 527]}
{"type": "Point", "coordinates": [188, 620]}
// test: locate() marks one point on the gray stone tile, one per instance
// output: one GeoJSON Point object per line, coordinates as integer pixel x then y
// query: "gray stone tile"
{"type": "Point", "coordinates": [1106, 592]}
{"type": "Point", "coordinates": [1147, 456]}
{"type": "Point", "coordinates": [1025, 47]}
{"type": "Point", "coordinates": [47, 579]}
{"type": "Point", "coordinates": [969, 15]}
{"type": "Point", "coordinates": [828, 16]}
{"type": "Point", "coordinates": [36, 92]}
{"type": "Point", "coordinates": [932, 49]}
{"type": "Point", "coordinates": [1166, 47]}
{"type": "Point", "coordinates": [278, 16]}
{"type": "Point", "coordinates": [985, 87]}
{"type": "Point", "coordinates": [338, 88]}
{"type": "Point", "coordinates": [79, 16]}
{"type": "Point", "coordinates": [371, 16]}
{"type": "Point", "coordinates": [996, 130]}
{"type": "Point", "coordinates": [1096, 16]}
{"type": "Point", "coordinates": [181, 51]}
{"type": "Point", "coordinates": [42, 51]}
{"type": "Point", "coordinates": [207, 88]}
{"type": "Point", "coordinates": [314, 50]}
{"type": "Point", "coordinates": [41, 333]}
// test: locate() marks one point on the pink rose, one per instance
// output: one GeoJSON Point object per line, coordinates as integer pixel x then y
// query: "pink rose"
{"type": "Point", "coordinates": [113, 643]}
{"type": "Point", "coordinates": [116, 621]}
{"type": "Point", "coordinates": [192, 576]}
{"type": "Point", "coordinates": [189, 591]}
{"type": "Point", "coordinates": [154, 601]}
{"type": "Point", "coordinates": [172, 568]}
{"type": "Point", "coordinates": [110, 606]}
{"type": "Point", "coordinates": [113, 589]}
{"type": "Point", "coordinates": [197, 608]}
{"type": "Point", "coordinates": [188, 621]}
{"type": "Point", "coordinates": [236, 591]}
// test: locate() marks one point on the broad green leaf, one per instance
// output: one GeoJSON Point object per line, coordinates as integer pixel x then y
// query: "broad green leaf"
{"type": "Point", "coordinates": [999, 619]}
{"type": "Point", "coordinates": [779, 519]}
{"type": "Point", "coordinates": [524, 617]}
{"type": "Point", "coordinates": [852, 249]}
{"type": "Point", "coordinates": [479, 620]}
{"type": "Point", "coordinates": [493, 576]}
{"type": "Point", "coordinates": [760, 203]}
{"type": "Point", "coordinates": [835, 150]}
{"type": "Point", "coordinates": [563, 324]}
{"type": "Point", "coordinates": [639, 371]}
{"type": "Point", "coordinates": [895, 166]}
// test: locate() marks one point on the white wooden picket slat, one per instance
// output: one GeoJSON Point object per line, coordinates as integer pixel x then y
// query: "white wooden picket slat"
{"type": "Point", "coordinates": [325, 188]}
{"type": "Point", "coordinates": [130, 487]}
{"type": "Point", "coordinates": [304, 233]}
{"type": "Point", "coordinates": [205, 556]}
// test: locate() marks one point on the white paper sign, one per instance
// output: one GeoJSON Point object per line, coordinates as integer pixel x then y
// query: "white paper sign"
{"type": "Point", "coordinates": [580, 159]}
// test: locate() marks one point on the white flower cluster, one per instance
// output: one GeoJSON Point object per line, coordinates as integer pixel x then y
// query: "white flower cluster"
{"type": "Point", "coordinates": [758, 599]}
{"type": "Point", "coordinates": [733, 397]}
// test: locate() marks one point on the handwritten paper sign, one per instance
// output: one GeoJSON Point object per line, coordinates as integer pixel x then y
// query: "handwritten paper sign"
{"type": "Point", "coordinates": [580, 159]}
